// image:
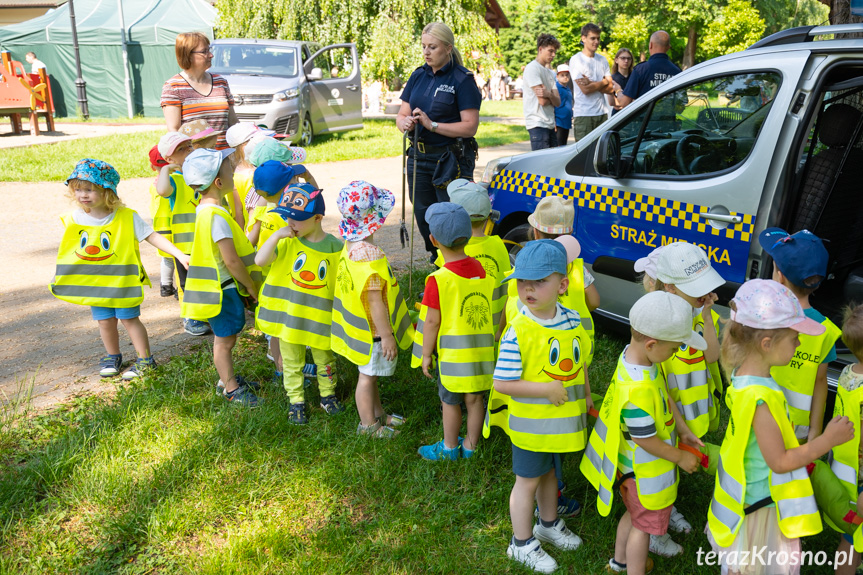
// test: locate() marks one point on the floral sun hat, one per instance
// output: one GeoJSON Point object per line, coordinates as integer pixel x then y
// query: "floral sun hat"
{"type": "Point", "coordinates": [364, 209]}
{"type": "Point", "coordinates": [97, 172]}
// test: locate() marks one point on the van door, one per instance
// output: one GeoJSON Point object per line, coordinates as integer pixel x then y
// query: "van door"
{"type": "Point", "coordinates": [336, 98]}
{"type": "Point", "coordinates": [699, 155]}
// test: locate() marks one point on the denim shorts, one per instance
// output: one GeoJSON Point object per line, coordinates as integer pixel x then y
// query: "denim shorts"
{"type": "Point", "coordinates": [100, 313]}
{"type": "Point", "coordinates": [542, 138]}
{"type": "Point", "coordinates": [532, 464]}
{"type": "Point", "coordinates": [451, 397]}
{"type": "Point", "coordinates": [232, 317]}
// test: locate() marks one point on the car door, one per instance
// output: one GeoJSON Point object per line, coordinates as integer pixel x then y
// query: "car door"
{"type": "Point", "coordinates": [699, 154]}
{"type": "Point", "coordinates": [335, 88]}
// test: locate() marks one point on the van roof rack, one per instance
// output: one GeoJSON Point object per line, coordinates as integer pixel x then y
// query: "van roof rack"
{"type": "Point", "coordinates": [805, 34]}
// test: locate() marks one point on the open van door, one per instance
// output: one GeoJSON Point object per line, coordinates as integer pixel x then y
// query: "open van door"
{"type": "Point", "coordinates": [335, 84]}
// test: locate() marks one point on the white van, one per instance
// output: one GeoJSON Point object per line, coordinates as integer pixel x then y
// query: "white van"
{"type": "Point", "coordinates": [770, 136]}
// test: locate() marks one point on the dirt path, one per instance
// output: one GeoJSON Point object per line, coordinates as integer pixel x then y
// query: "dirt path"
{"type": "Point", "coordinates": [56, 345]}
{"type": "Point", "coordinates": [66, 131]}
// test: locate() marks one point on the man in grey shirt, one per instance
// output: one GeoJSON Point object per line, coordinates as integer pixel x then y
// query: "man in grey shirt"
{"type": "Point", "coordinates": [540, 94]}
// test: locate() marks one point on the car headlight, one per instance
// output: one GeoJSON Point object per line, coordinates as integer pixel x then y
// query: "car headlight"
{"type": "Point", "coordinates": [286, 95]}
{"type": "Point", "coordinates": [495, 167]}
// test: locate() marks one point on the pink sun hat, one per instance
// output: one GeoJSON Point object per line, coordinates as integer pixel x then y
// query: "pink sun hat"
{"type": "Point", "coordinates": [766, 304]}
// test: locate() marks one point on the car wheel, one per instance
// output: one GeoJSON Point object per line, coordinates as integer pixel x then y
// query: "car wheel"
{"type": "Point", "coordinates": [306, 133]}
{"type": "Point", "coordinates": [515, 239]}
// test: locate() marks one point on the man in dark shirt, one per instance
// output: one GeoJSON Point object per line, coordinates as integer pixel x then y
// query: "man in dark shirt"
{"type": "Point", "coordinates": [654, 72]}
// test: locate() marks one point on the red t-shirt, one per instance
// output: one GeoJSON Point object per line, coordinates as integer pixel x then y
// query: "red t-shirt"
{"type": "Point", "coordinates": [467, 268]}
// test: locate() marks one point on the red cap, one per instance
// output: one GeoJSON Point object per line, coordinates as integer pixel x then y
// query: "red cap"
{"type": "Point", "coordinates": [156, 159]}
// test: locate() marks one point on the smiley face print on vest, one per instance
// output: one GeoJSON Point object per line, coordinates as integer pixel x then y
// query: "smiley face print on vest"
{"type": "Point", "coordinates": [688, 355]}
{"type": "Point", "coordinates": [563, 364]}
{"type": "Point", "coordinates": [309, 272]}
{"type": "Point", "coordinates": [96, 248]}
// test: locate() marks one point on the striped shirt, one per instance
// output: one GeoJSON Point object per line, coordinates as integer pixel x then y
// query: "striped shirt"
{"type": "Point", "coordinates": [634, 421]}
{"type": "Point", "coordinates": [508, 367]}
{"type": "Point", "coordinates": [212, 107]}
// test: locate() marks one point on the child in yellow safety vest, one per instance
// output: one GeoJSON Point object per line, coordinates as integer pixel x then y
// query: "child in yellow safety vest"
{"type": "Point", "coordinates": [692, 375]}
{"type": "Point", "coordinates": [220, 269]}
{"type": "Point", "coordinates": [541, 397]}
{"type": "Point", "coordinates": [763, 498]}
{"type": "Point", "coordinates": [370, 319]}
{"type": "Point", "coordinates": [183, 200]}
{"type": "Point", "coordinates": [461, 331]}
{"type": "Point", "coordinates": [296, 304]}
{"type": "Point", "coordinates": [489, 250]}
{"type": "Point", "coordinates": [160, 211]}
{"type": "Point", "coordinates": [272, 149]}
{"type": "Point", "coordinates": [99, 265]}
{"type": "Point", "coordinates": [634, 444]}
{"type": "Point", "coordinates": [238, 137]}
{"type": "Point", "coordinates": [800, 264]}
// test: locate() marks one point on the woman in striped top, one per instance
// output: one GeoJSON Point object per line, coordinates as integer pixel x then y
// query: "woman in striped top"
{"type": "Point", "coordinates": [195, 93]}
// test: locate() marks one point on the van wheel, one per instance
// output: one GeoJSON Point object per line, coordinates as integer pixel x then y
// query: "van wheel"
{"type": "Point", "coordinates": [306, 133]}
{"type": "Point", "coordinates": [515, 239]}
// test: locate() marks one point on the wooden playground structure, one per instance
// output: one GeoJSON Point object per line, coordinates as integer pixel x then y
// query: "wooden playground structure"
{"type": "Point", "coordinates": [23, 94]}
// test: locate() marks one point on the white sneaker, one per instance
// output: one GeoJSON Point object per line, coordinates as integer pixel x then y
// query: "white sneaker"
{"type": "Point", "coordinates": [678, 522]}
{"type": "Point", "coordinates": [664, 546]}
{"type": "Point", "coordinates": [558, 535]}
{"type": "Point", "coordinates": [533, 556]}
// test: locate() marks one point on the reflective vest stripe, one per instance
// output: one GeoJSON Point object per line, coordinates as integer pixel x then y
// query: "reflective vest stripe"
{"type": "Point", "coordinates": [97, 270]}
{"type": "Point", "coordinates": [183, 215]}
{"type": "Point", "coordinates": [98, 292]}
{"type": "Point", "coordinates": [202, 273]}
{"type": "Point", "coordinates": [360, 347]}
{"type": "Point", "coordinates": [686, 381]}
{"type": "Point", "coordinates": [248, 259]}
{"type": "Point", "coordinates": [844, 472]}
{"type": "Point", "coordinates": [467, 341]}
{"type": "Point", "coordinates": [353, 320]}
{"type": "Point", "coordinates": [183, 237]}
{"type": "Point", "coordinates": [797, 506]}
{"type": "Point", "coordinates": [202, 297]}
{"type": "Point", "coordinates": [726, 516]}
{"type": "Point", "coordinates": [550, 426]}
{"type": "Point", "coordinates": [417, 349]}
{"type": "Point", "coordinates": [656, 485]}
{"type": "Point", "coordinates": [188, 218]}
{"type": "Point", "coordinates": [473, 369]}
{"type": "Point", "coordinates": [295, 296]}
{"type": "Point", "coordinates": [692, 411]}
{"type": "Point", "coordinates": [730, 485]}
{"type": "Point", "coordinates": [294, 322]}
{"type": "Point", "coordinates": [399, 317]}
{"type": "Point", "coordinates": [798, 400]}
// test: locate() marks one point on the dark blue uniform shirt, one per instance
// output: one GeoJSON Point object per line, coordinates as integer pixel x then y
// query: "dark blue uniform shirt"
{"type": "Point", "coordinates": [650, 74]}
{"type": "Point", "coordinates": [442, 96]}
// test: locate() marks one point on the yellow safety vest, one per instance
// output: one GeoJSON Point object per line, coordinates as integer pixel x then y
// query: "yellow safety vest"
{"type": "Point", "coordinates": [655, 478]}
{"type": "Point", "coordinates": [465, 341]}
{"type": "Point", "coordinates": [183, 215]}
{"type": "Point", "coordinates": [573, 298]}
{"type": "Point", "coordinates": [100, 265]}
{"type": "Point", "coordinates": [845, 457]}
{"type": "Point", "coordinates": [797, 379]}
{"type": "Point", "coordinates": [492, 254]}
{"type": "Point", "coordinates": [270, 222]}
{"type": "Point", "coordinates": [714, 384]}
{"type": "Point", "coordinates": [792, 492]}
{"type": "Point", "coordinates": [351, 334]}
{"type": "Point", "coordinates": [689, 381]}
{"type": "Point", "coordinates": [296, 303]}
{"type": "Point", "coordinates": [242, 183]}
{"type": "Point", "coordinates": [202, 298]}
{"type": "Point", "coordinates": [160, 210]}
{"type": "Point", "coordinates": [534, 423]}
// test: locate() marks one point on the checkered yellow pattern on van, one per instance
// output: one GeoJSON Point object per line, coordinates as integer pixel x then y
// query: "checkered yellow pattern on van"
{"type": "Point", "coordinates": [627, 204]}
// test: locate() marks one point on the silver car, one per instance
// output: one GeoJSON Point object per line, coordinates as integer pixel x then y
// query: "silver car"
{"type": "Point", "coordinates": [295, 88]}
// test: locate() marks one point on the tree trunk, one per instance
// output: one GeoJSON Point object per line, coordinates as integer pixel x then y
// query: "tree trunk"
{"type": "Point", "coordinates": [689, 51]}
{"type": "Point", "coordinates": [840, 13]}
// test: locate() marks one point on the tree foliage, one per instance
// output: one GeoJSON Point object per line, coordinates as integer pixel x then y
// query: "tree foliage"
{"type": "Point", "coordinates": [737, 26]}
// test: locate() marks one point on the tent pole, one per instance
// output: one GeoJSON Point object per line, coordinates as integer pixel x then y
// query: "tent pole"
{"type": "Point", "coordinates": [129, 106]}
{"type": "Point", "coordinates": [80, 84]}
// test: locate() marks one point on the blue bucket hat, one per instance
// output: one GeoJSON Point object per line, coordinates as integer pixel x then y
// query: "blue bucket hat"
{"type": "Point", "coordinates": [97, 172]}
{"type": "Point", "coordinates": [273, 176]}
{"type": "Point", "coordinates": [448, 222]}
{"type": "Point", "coordinates": [798, 256]}
{"type": "Point", "coordinates": [539, 259]}
{"type": "Point", "coordinates": [300, 202]}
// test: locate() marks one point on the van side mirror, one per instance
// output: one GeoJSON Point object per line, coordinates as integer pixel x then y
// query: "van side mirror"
{"type": "Point", "coordinates": [315, 74]}
{"type": "Point", "coordinates": [608, 161]}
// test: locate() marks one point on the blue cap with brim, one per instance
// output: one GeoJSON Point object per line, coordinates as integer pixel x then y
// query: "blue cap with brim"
{"type": "Point", "coordinates": [448, 222]}
{"type": "Point", "coordinates": [300, 202]}
{"type": "Point", "coordinates": [273, 176]}
{"type": "Point", "coordinates": [539, 259]}
{"type": "Point", "coordinates": [202, 167]}
{"type": "Point", "coordinates": [799, 256]}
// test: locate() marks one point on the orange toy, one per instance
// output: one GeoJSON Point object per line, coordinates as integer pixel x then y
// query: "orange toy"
{"type": "Point", "coordinates": [22, 93]}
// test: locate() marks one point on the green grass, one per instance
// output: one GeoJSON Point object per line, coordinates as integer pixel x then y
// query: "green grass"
{"type": "Point", "coordinates": [503, 108]}
{"type": "Point", "coordinates": [167, 478]}
{"type": "Point", "coordinates": [128, 152]}
{"type": "Point", "coordinates": [156, 120]}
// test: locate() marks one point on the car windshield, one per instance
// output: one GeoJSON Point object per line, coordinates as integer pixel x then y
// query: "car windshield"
{"type": "Point", "coordinates": [254, 60]}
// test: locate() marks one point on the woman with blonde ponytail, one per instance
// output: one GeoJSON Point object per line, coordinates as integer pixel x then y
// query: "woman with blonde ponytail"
{"type": "Point", "coordinates": [442, 102]}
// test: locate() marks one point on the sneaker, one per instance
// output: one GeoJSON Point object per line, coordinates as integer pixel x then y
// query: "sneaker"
{"type": "Point", "coordinates": [377, 430]}
{"type": "Point", "coordinates": [532, 555]}
{"type": "Point", "coordinates": [242, 382]}
{"type": "Point", "coordinates": [167, 291]}
{"type": "Point", "coordinates": [297, 414]}
{"type": "Point", "coordinates": [558, 535]}
{"type": "Point", "coordinates": [196, 327]}
{"type": "Point", "coordinates": [278, 378]}
{"type": "Point", "coordinates": [664, 546]}
{"type": "Point", "coordinates": [139, 367]}
{"type": "Point", "coordinates": [332, 405]}
{"type": "Point", "coordinates": [244, 397]}
{"type": "Point", "coordinates": [438, 452]}
{"type": "Point", "coordinates": [566, 507]}
{"type": "Point", "coordinates": [109, 366]}
{"type": "Point", "coordinates": [615, 567]}
{"type": "Point", "coordinates": [465, 453]}
{"type": "Point", "coordinates": [678, 522]}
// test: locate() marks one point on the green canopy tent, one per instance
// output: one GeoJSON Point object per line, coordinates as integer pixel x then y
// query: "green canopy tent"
{"type": "Point", "coordinates": [151, 28]}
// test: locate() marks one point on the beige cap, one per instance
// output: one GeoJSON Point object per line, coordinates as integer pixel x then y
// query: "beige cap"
{"type": "Point", "coordinates": [553, 215]}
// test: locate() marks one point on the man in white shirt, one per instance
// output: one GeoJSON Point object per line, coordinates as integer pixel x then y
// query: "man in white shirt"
{"type": "Point", "coordinates": [540, 94]}
{"type": "Point", "coordinates": [34, 62]}
{"type": "Point", "coordinates": [592, 76]}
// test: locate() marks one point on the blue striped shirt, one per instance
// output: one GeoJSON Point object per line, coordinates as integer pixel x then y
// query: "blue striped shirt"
{"type": "Point", "coordinates": [508, 367]}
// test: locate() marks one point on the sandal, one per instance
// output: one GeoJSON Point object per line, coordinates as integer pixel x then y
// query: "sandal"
{"type": "Point", "coordinates": [377, 430]}
{"type": "Point", "coordinates": [395, 420]}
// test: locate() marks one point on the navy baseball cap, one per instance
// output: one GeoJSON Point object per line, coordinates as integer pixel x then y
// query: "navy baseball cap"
{"type": "Point", "coordinates": [448, 222]}
{"type": "Point", "coordinates": [539, 259]}
{"type": "Point", "coordinates": [798, 256]}
{"type": "Point", "coordinates": [300, 202]}
{"type": "Point", "coordinates": [273, 176]}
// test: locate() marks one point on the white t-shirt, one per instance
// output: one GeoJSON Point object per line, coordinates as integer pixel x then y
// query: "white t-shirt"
{"type": "Point", "coordinates": [142, 228]}
{"type": "Point", "coordinates": [536, 116]}
{"type": "Point", "coordinates": [35, 65]}
{"type": "Point", "coordinates": [220, 230]}
{"type": "Point", "coordinates": [595, 69]}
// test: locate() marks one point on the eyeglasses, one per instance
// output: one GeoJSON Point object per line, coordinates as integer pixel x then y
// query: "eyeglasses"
{"type": "Point", "coordinates": [202, 52]}
{"type": "Point", "coordinates": [627, 58]}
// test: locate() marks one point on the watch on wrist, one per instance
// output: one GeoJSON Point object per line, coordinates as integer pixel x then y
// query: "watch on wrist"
{"type": "Point", "coordinates": [434, 126]}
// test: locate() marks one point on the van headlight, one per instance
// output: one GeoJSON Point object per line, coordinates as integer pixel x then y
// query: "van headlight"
{"type": "Point", "coordinates": [286, 95]}
{"type": "Point", "coordinates": [495, 167]}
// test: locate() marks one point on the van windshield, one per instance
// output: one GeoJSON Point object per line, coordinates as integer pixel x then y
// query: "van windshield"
{"type": "Point", "coordinates": [254, 60]}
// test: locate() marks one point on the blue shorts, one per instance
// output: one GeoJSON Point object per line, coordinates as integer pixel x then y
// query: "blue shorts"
{"type": "Point", "coordinates": [532, 464]}
{"type": "Point", "coordinates": [232, 317]}
{"type": "Point", "coordinates": [100, 313]}
{"type": "Point", "coordinates": [451, 397]}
